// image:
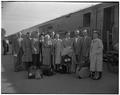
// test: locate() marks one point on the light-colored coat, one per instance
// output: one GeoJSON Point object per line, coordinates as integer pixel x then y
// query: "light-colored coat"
{"type": "Point", "coordinates": [67, 46]}
{"type": "Point", "coordinates": [67, 49]}
{"type": "Point", "coordinates": [96, 55]}
{"type": "Point", "coordinates": [58, 47]}
{"type": "Point", "coordinates": [46, 53]}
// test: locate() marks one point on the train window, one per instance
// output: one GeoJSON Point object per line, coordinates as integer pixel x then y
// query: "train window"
{"type": "Point", "coordinates": [86, 19]}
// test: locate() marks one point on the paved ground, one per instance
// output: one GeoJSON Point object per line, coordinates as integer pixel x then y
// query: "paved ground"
{"type": "Point", "coordinates": [17, 82]}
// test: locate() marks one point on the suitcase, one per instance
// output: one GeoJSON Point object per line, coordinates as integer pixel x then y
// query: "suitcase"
{"type": "Point", "coordinates": [83, 69]}
{"type": "Point", "coordinates": [31, 72]}
{"type": "Point", "coordinates": [83, 72]}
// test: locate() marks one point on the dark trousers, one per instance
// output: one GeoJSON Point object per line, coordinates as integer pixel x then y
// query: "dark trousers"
{"type": "Point", "coordinates": [57, 67]}
{"type": "Point", "coordinates": [77, 60]}
{"type": "Point", "coordinates": [27, 65]}
{"type": "Point", "coordinates": [52, 62]}
{"type": "Point", "coordinates": [36, 61]}
{"type": "Point", "coordinates": [85, 63]}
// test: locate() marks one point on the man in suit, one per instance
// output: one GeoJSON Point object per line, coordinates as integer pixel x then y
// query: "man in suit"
{"type": "Point", "coordinates": [77, 46]}
{"type": "Point", "coordinates": [84, 52]}
{"type": "Point", "coordinates": [86, 44]}
{"type": "Point", "coordinates": [27, 49]}
{"type": "Point", "coordinates": [52, 37]}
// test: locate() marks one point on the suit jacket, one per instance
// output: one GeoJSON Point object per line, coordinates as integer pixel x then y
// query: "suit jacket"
{"type": "Point", "coordinates": [27, 49]}
{"type": "Point", "coordinates": [77, 46]}
{"type": "Point", "coordinates": [86, 46]}
{"type": "Point", "coordinates": [96, 54]}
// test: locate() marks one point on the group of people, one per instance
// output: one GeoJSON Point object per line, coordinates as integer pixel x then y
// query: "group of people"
{"type": "Point", "coordinates": [49, 49]}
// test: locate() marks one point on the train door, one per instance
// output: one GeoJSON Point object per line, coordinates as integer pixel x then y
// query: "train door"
{"type": "Point", "coordinates": [108, 21]}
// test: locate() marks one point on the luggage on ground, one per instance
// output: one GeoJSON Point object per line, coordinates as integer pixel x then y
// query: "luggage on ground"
{"type": "Point", "coordinates": [65, 64]}
{"type": "Point", "coordinates": [83, 69]}
{"type": "Point", "coordinates": [47, 70]}
{"type": "Point", "coordinates": [62, 69]}
{"type": "Point", "coordinates": [83, 72]}
{"type": "Point", "coordinates": [31, 72]}
{"type": "Point", "coordinates": [38, 74]}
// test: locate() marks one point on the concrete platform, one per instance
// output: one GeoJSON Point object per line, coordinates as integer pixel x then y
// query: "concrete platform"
{"type": "Point", "coordinates": [17, 82]}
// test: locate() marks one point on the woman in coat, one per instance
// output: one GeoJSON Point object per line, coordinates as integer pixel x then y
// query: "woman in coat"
{"type": "Point", "coordinates": [67, 49]}
{"type": "Point", "coordinates": [96, 57]}
{"type": "Point", "coordinates": [58, 47]}
{"type": "Point", "coordinates": [46, 50]}
{"type": "Point", "coordinates": [67, 45]}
